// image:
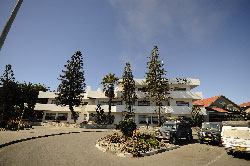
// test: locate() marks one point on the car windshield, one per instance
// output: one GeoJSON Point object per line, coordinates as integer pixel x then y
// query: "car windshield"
{"type": "Point", "coordinates": [169, 125]}
{"type": "Point", "coordinates": [211, 125]}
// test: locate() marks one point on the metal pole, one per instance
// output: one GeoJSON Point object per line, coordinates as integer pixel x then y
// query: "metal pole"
{"type": "Point", "coordinates": [9, 23]}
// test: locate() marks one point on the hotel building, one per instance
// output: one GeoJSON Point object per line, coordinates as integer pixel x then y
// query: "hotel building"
{"type": "Point", "coordinates": [178, 105]}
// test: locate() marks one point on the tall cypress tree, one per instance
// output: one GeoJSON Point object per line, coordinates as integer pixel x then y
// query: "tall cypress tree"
{"type": "Point", "coordinates": [128, 92]}
{"type": "Point", "coordinates": [72, 86]}
{"type": "Point", "coordinates": [157, 84]}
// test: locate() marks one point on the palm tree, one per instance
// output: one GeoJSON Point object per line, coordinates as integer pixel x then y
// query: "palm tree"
{"type": "Point", "coordinates": [108, 83]}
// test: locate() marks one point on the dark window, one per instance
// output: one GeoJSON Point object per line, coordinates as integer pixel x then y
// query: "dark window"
{"type": "Point", "coordinates": [143, 119]}
{"type": "Point", "coordinates": [142, 89]}
{"type": "Point", "coordinates": [42, 100]}
{"type": "Point", "coordinates": [50, 116]}
{"type": "Point", "coordinates": [77, 115]}
{"type": "Point", "coordinates": [182, 103]}
{"type": "Point", "coordinates": [62, 116]}
{"type": "Point", "coordinates": [143, 103]}
{"type": "Point", "coordinates": [114, 103]}
{"type": "Point", "coordinates": [155, 119]}
{"type": "Point", "coordinates": [103, 103]}
{"type": "Point", "coordinates": [179, 89]}
{"type": "Point", "coordinates": [53, 102]}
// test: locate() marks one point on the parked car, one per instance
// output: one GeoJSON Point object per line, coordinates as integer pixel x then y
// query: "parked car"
{"type": "Point", "coordinates": [175, 131]}
{"type": "Point", "coordinates": [236, 136]}
{"type": "Point", "coordinates": [210, 133]}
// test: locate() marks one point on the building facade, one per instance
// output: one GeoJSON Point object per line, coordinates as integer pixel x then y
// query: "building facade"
{"type": "Point", "coordinates": [219, 108]}
{"type": "Point", "coordinates": [145, 110]}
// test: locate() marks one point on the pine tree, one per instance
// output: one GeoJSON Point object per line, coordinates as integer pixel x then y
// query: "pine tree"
{"type": "Point", "coordinates": [9, 96]}
{"type": "Point", "coordinates": [157, 85]}
{"type": "Point", "coordinates": [128, 92]}
{"type": "Point", "coordinates": [109, 82]}
{"type": "Point", "coordinates": [72, 86]}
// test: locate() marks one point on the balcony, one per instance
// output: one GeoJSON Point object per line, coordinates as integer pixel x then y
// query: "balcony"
{"type": "Point", "coordinates": [143, 109]}
{"type": "Point", "coordinates": [54, 107]}
{"type": "Point", "coordinates": [173, 94]}
{"type": "Point", "coordinates": [186, 95]}
{"type": "Point", "coordinates": [49, 95]}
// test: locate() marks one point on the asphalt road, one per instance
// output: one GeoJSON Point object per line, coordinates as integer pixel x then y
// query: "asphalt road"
{"type": "Point", "coordinates": [79, 149]}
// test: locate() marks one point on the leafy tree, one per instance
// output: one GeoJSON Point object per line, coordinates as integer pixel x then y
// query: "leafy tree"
{"type": "Point", "coordinates": [197, 117]}
{"type": "Point", "coordinates": [30, 95]}
{"type": "Point", "coordinates": [128, 92]}
{"type": "Point", "coordinates": [109, 82]}
{"type": "Point", "coordinates": [9, 96]}
{"type": "Point", "coordinates": [101, 117]}
{"type": "Point", "coordinates": [157, 85]}
{"type": "Point", "coordinates": [72, 86]}
{"type": "Point", "coordinates": [127, 126]}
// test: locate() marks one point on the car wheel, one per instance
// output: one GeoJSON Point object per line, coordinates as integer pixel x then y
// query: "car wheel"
{"type": "Point", "coordinates": [201, 141]}
{"type": "Point", "coordinates": [173, 140]}
{"type": "Point", "coordinates": [157, 134]}
{"type": "Point", "coordinates": [189, 137]}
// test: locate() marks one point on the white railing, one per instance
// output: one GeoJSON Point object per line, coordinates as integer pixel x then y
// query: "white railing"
{"type": "Point", "coordinates": [143, 109]}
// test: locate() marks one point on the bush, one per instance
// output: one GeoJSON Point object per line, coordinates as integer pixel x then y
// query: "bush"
{"type": "Point", "coordinates": [127, 127]}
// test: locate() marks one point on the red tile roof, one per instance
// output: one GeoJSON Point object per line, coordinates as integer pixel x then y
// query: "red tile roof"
{"type": "Point", "coordinates": [219, 110]}
{"type": "Point", "coordinates": [245, 104]}
{"type": "Point", "coordinates": [206, 102]}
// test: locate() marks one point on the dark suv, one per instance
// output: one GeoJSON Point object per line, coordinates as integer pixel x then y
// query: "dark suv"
{"type": "Point", "coordinates": [210, 132]}
{"type": "Point", "coordinates": [175, 131]}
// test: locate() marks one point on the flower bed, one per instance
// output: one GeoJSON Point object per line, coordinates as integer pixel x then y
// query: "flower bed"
{"type": "Point", "coordinates": [136, 145]}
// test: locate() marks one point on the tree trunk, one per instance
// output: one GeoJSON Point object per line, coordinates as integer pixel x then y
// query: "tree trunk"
{"type": "Point", "coordinates": [73, 112]}
{"type": "Point", "coordinates": [20, 121]}
{"type": "Point", "coordinates": [159, 116]}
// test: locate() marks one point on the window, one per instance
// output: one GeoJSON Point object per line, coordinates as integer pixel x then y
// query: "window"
{"type": "Point", "coordinates": [53, 102]}
{"type": "Point", "coordinates": [77, 115]}
{"type": "Point", "coordinates": [155, 119]}
{"type": "Point", "coordinates": [143, 119]}
{"type": "Point", "coordinates": [142, 89]}
{"type": "Point", "coordinates": [103, 103]}
{"type": "Point", "coordinates": [114, 103]}
{"type": "Point", "coordinates": [50, 116]}
{"type": "Point", "coordinates": [42, 100]}
{"type": "Point", "coordinates": [85, 117]}
{"type": "Point", "coordinates": [143, 103]}
{"type": "Point", "coordinates": [158, 104]}
{"type": "Point", "coordinates": [179, 89]}
{"type": "Point", "coordinates": [182, 103]}
{"type": "Point", "coordinates": [62, 116]}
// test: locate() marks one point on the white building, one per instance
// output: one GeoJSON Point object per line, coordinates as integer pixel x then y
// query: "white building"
{"type": "Point", "coordinates": [180, 104]}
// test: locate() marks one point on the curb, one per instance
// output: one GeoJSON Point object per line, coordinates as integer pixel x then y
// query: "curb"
{"type": "Point", "coordinates": [142, 154]}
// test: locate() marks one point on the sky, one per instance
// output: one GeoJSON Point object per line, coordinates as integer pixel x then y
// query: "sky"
{"type": "Point", "coordinates": [204, 39]}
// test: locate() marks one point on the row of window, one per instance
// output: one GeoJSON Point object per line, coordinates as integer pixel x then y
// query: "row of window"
{"type": "Point", "coordinates": [175, 89]}
{"type": "Point", "coordinates": [143, 103]}
{"type": "Point", "coordinates": [144, 119]}
{"type": "Point", "coordinates": [60, 116]}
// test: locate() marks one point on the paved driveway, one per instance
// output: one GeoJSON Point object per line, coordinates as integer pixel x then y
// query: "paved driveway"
{"type": "Point", "coordinates": [79, 149]}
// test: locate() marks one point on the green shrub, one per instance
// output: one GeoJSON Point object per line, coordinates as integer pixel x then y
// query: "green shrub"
{"type": "Point", "coordinates": [127, 127]}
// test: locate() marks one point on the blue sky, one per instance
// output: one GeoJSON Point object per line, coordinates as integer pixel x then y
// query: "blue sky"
{"type": "Point", "coordinates": [204, 39]}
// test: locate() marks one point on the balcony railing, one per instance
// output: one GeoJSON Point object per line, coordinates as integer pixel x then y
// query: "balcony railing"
{"type": "Point", "coordinates": [143, 109]}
